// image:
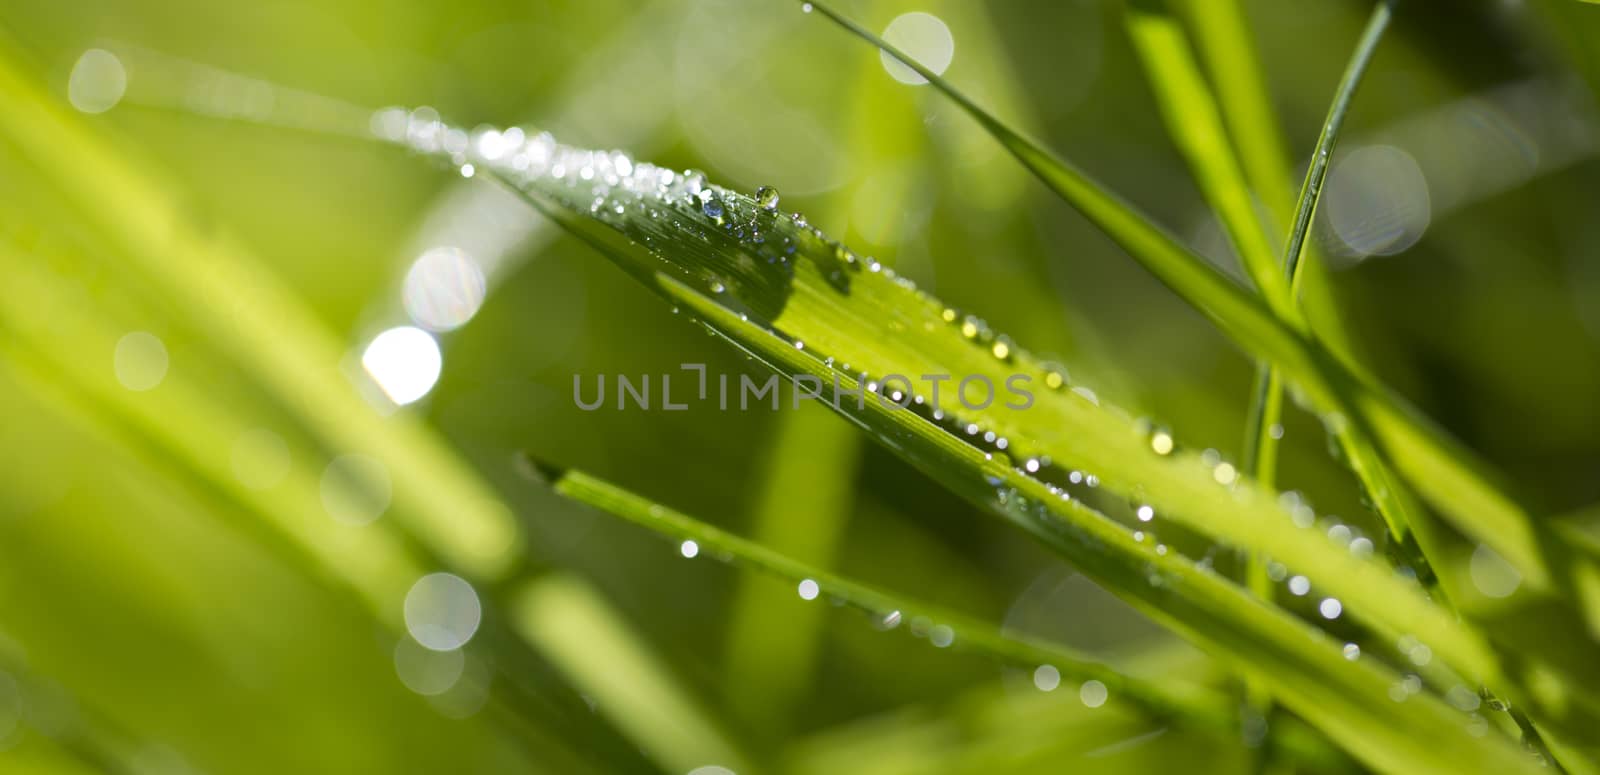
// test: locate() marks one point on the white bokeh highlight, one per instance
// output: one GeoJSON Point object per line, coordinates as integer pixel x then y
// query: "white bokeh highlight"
{"type": "Point", "coordinates": [925, 38]}
{"type": "Point", "coordinates": [404, 362]}
{"type": "Point", "coordinates": [140, 361]}
{"type": "Point", "coordinates": [442, 611]}
{"type": "Point", "coordinates": [1377, 201]}
{"type": "Point", "coordinates": [97, 82]}
{"type": "Point", "coordinates": [1491, 574]}
{"type": "Point", "coordinates": [443, 289]}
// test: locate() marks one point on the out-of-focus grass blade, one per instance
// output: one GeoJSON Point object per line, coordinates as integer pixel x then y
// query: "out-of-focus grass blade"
{"type": "Point", "coordinates": [806, 306]}
{"type": "Point", "coordinates": [804, 507]}
{"type": "Point", "coordinates": [576, 629]}
{"type": "Point", "coordinates": [996, 730]}
{"type": "Point", "coordinates": [272, 336]}
{"type": "Point", "coordinates": [1445, 471]}
{"type": "Point", "coordinates": [45, 333]}
{"type": "Point", "coordinates": [249, 315]}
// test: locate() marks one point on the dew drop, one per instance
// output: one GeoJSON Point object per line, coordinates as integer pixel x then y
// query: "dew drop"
{"type": "Point", "coordinates": [767, 198]}
{"type": "Point", "coordinates": [808, 589]}
{"type": "Point", "coordinates": [689, 549]}
{"type": "Point", "coordinates": [1352, 652]}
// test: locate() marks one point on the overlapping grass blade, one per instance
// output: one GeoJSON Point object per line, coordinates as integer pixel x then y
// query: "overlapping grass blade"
{"type": "Point", "coordinates": [1194, 122]}
{"type": "Point", "coordinates": [807, 308]}
{"type": "Point", "coordinates": [1446, 472]}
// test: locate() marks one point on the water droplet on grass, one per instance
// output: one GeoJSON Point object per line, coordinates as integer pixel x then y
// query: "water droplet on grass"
{"type": "Point", "coordinates": [767, 198]}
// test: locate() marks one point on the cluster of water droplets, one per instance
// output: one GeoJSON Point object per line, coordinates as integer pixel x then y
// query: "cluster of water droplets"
{"type": "Point", "coordinates": [748, 245]}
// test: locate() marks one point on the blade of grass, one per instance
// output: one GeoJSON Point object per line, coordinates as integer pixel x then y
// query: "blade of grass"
{"type": "Point", "coordinates": [1223, 38]}
{"type": "Point", "coordinates": [1190, 704]}
{"type": "Point", "coordinates": [790, 298]}
{"type": "Point", "coordinates": [576, 629]}
{"type": "Point", "coordinates": [1445, 471]}
{"type": "Point", "coordinates": [1194, 122]}
{"type": "Point", "coordinates": [803, 508]}
{"type": "Point", "coordinates": [1194, 119]}
{"type": "Point", "coordinates": [1303, 668]}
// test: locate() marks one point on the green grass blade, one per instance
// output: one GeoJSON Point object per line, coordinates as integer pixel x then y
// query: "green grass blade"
{"type": "Point", "coordinates": [1322, 155]}
{"type": "Point", "coordinates": [804, 508]}
{"type": "Point", "coordinates": [1195, 123]}
{"type": "Point", "coordinates": [1191, 704]}
{"type": "Point", "coordinates": [1190, 105]}
{"type": "Point", "coordinates": [1444, 471]}
{"type": "Point", "coordinates": [1301, 667]}
{"type": "Point", "coordinates": [1228, 49]}
{"type": "Point", "coordinates": [806, 306]}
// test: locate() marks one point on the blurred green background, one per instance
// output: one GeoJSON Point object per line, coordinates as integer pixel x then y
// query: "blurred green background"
{"type": "Point", "coordinates": [184, 585]}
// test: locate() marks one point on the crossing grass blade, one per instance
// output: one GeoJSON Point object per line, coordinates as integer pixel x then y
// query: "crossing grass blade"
{"type": "Point", "coordinates": [1448, 474]}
